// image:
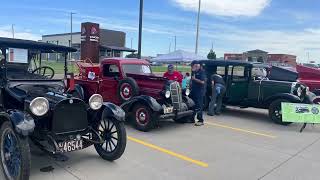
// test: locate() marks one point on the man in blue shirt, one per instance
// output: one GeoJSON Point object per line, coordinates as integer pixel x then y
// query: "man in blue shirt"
{"type": "Point", "coordinates": [197, 90]}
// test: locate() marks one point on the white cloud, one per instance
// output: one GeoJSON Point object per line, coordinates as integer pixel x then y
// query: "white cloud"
{"type": "Point", "coordinates": [231, 8]}
{"type": "Point", "coordinates": [5, 31]}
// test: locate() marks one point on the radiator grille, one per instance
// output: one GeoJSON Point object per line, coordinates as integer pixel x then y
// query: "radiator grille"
{"type": "Point", "coordinates": [69, 115]}
{"type": "Point", "coordinates": [176, 96]}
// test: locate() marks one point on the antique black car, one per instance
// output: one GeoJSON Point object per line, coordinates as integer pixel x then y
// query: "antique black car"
{"type": "Point", "coordinates": [37, 106]}
{"type": "Point", "coordinates": [248, 86]}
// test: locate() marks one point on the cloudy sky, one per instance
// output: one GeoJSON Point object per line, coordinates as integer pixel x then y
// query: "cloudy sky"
{"type": "Point", "coordinates": [277, 26]}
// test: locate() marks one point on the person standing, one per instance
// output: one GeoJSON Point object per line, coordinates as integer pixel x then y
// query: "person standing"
{"type": "Point", "coordinates": [186, 81]}
{"type": "Point", "coordinates": [218, 92]}
{"type": "Point", "coordinates": [198, 90]}
{"type": "Point", "coordinates": [173, 75]}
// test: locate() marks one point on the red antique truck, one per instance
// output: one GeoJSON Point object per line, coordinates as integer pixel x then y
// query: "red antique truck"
{"type": "Point", "coordinates": [146, 98]}
{"type": "Point", "coordinates": [310, 77]}
{"type": "Point", "coordinates": [306, 75]}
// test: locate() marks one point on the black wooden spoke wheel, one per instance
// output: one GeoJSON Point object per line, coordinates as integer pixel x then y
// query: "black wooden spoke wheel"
{"type": "Point", "coordinates": [114, 138]}
{"type": "Point", "coordinates": [15, 154]}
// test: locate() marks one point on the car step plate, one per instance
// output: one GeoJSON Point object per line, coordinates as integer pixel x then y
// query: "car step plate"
{"type": "Point", "coordinates": [69, 146]}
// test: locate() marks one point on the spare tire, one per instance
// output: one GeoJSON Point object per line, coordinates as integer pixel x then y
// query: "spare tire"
{"type": "Point", "coordinates": [127, 89]}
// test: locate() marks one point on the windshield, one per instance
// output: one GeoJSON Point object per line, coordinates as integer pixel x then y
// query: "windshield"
{"type": "Point", "coordinates": [136, 69]}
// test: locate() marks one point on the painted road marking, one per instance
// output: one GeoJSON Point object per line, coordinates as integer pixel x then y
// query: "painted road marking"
{"type": "Point", "coordinates": [241, 130]}
{"type": "Point", "coordinates": [180, 156]}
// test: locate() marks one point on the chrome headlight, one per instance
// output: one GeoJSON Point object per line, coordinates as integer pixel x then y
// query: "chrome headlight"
{"type": "Point", "coordinates": [168, 94]}
{"type": "Point", "coordinates": [299, 91]}
{"type": "Point", "coordinates": [187, 92]}
{"type": "Point", "coordinates": [95, 101]}
{"type": "Point", "coordinates": [39, 106]}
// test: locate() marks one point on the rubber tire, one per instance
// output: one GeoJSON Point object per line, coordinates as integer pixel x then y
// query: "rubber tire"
{"type": "Point", "coordinates": [25, 152]}
{"type": "Point", "coordinates": [272, 116]}
{"type": "Point", "coordinates": [152, 120]}
{"type": "Point", "coordinates": [122, 141]}
{"type": "Point", "coordinates": [134, 87]}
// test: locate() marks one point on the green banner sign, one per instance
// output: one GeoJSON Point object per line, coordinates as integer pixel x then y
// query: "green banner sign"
{"type": "Point", "coordinates": [300, 113]}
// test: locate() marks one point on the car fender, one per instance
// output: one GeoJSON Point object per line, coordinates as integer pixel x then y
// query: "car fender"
{"type": "Point", "coordinates": [290, 97]}
{"type": "Point", "coordinates": [21, 122]}
{"type": "Point", "coordinates": [110, 110]}
{"type": "Point", "coordinates": [190, 103]}
{"type": "Point", "coordinates": [146, 100]}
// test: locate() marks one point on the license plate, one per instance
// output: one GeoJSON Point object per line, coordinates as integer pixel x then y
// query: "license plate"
{"type": "Point", "coordinates": [68, 146]}
{"type": "Point", "coordinates": [168, 110]}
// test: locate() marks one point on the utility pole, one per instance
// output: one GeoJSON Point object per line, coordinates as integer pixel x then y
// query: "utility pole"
{"type": "Point", "coordinates": [308, 54]}
{"type": "Point", "coordinates": [12, 30]}
{"type": "Point", "coordinates": [140, 28]}
{"type": "Point", "coordinates": [71, 32]}
{"type": "Point", "coordinates": [198, 24]}
{"type": "Point", "coordinates": [131, 42]}
{"type": "Point", "coordinates": [170, 47]}
{"type": "Point", "coordinates": [175, 43]}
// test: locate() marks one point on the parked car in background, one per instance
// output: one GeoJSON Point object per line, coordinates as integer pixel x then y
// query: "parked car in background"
{"type": "Point", "coordinates": [245, 90]}
{"type": "Point", "coordinates": [146, 98]}
{"type": "Point", "coordinates": [50, 113]}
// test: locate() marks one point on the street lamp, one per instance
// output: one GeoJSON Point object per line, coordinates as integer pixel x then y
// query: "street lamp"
{"type": "Point", "coordinates": [198, 24]}
{"type": "Point", "coordinates": [140, 29]}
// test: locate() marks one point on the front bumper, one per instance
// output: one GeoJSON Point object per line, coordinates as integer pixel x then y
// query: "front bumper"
{"type": "Point", "coordinates": [176, 115]}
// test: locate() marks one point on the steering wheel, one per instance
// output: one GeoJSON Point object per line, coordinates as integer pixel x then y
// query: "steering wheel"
{"type": "Point", "coordinates": [43, 71]}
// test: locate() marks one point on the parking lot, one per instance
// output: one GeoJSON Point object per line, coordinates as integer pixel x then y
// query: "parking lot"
{"type": "Point", "coordinates": [240, 144]}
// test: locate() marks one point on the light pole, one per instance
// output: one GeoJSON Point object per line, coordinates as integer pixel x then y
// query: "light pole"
{"type": "Point", "coordinates": [12, 30]}
{"type": "Point", "coordinates": [175, 43]}
{"type": "Point", "coordinates": [72, 13]}
{"type": "Point", "coordinates": [198, 24]}
{"type": "Point", "coordinates": [140, 28]}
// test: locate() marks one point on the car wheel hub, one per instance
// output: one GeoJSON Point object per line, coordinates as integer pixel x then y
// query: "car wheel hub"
{"type": "Point", "coordinates": [125, 91]}
{"type": "Point", "coordinates": [142, 117]}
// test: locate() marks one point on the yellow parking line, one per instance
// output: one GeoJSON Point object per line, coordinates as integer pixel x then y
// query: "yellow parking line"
{"type": "Point", "coordinates": [180, 156]}
{"type": "Point", "coordinates": [241, 130]}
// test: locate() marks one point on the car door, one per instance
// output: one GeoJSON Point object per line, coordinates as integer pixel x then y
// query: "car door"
{"type": "Point", "coordinates": [109, 85]}
{"type": "Point", "coordinates": [237, 85]}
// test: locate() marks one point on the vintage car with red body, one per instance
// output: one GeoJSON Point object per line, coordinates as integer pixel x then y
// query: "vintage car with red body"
{"type": "Point", "coordinates": [130, 83]}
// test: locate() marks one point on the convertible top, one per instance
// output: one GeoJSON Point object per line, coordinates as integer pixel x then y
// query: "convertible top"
{"type": "Point", "coordinates": [226, 63]}
{"type": "Point", "coordinates": [34, 45]}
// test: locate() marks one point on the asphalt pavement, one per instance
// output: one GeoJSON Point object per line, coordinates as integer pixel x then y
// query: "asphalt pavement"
{"type": "Point", "coordinates": [239, 144]}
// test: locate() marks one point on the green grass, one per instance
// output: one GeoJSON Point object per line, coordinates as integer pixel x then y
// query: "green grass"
{"type": "Point", "coordinates": [165, 68]}
{"type": "Point", "coordinates": [59, 66]}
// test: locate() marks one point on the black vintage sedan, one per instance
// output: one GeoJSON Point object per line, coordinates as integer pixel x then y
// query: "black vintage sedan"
{"type": "Point", "coordinates": [50, 112]}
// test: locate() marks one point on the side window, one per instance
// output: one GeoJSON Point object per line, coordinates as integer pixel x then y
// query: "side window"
{"type": "Point", "coordinates": [221, 70]}
{"type": "Point", "coordinates": [110, 70]}
{"type": "Point", "coordinates": [239, 73]}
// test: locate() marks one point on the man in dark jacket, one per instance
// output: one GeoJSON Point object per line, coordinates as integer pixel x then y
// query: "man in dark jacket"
{"type": "Point", "coordinates": [197, 90]}
{"type": "Point", "coordinates": [218, 92]}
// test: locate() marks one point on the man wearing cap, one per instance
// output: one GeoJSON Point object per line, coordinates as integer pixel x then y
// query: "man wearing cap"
{"type": "Point", "coordinates": [198, 84]}
{"type": "Point", "coordinates": [173, 75]}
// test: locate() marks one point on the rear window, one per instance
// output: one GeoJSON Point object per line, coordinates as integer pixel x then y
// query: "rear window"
{"type": "Point", "coordinates": [136, 69]}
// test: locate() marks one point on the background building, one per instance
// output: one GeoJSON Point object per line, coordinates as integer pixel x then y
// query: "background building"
{"type": "Point", "coordinates": [263, 57]}
{"type": "Point", "coordinates": [111, 43]}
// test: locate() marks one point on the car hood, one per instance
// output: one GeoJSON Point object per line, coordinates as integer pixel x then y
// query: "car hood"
{"type": "Point", "coordinates": [53, 93]}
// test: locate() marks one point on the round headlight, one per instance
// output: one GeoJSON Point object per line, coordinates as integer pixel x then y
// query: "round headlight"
{"type": "Point", "coordinates": [95, 101]}
{"type": "Point", "coordinates": [187, 92]}
{"type": "Point", "coordinates": [299, 91]}
{"type": "Point", "coordinates": [168, 94]}
{"type": "Point", "coordinates": [39, 106]}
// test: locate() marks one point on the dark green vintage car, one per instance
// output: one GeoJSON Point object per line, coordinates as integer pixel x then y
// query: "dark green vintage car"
{"type": "Point", "coordinates": [248, 86]}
